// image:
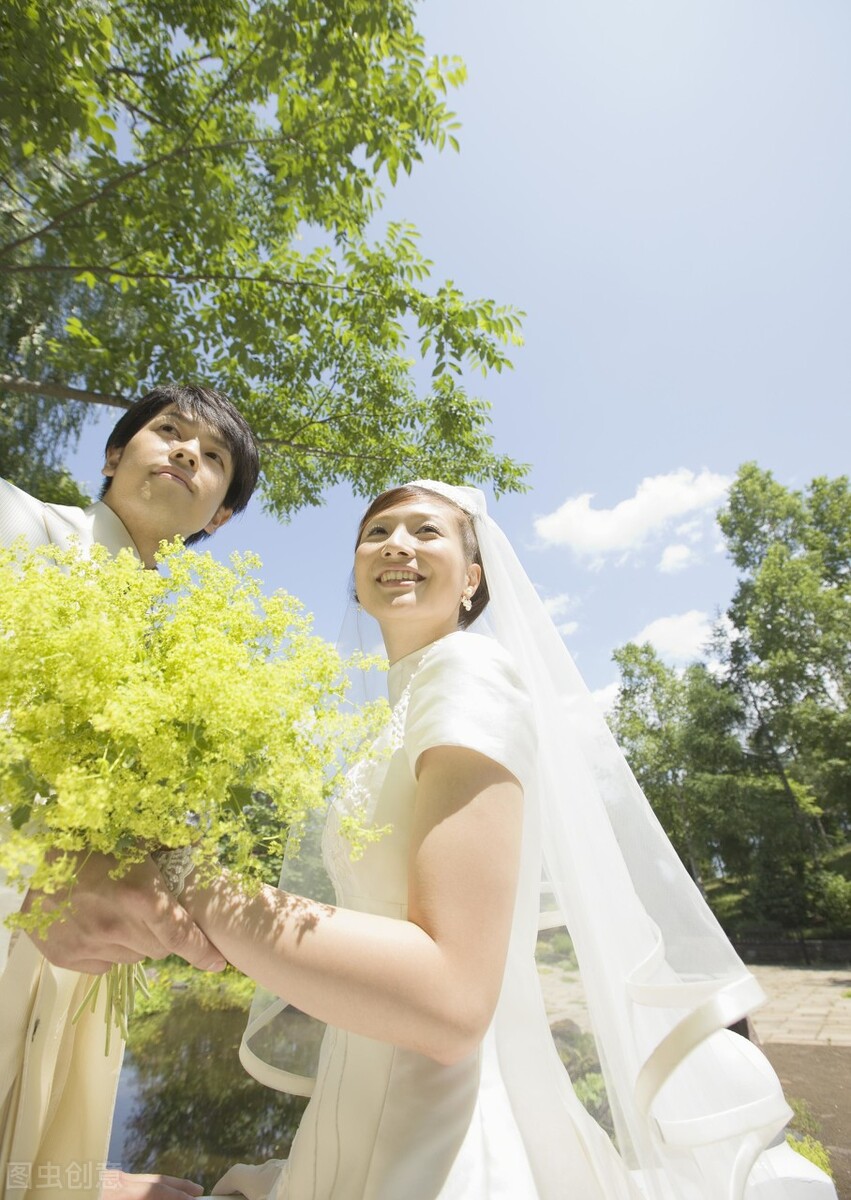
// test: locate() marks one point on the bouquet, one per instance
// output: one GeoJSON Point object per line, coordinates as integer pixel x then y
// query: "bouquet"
{"type": "Point", "coordinates": [155, 712]}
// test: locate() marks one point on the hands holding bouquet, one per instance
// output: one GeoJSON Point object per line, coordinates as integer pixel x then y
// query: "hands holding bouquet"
{"type": "Point", "coordinates": [119, 920]}
{"type": "Point", "coordinates": [144, 712]}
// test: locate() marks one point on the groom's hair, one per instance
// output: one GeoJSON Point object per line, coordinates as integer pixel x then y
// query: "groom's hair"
{"type": "Point", "coordinates": [212, 408]}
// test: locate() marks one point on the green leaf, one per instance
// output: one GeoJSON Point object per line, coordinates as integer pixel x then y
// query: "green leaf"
{"type": "Point", "coordinates": [241, 213]}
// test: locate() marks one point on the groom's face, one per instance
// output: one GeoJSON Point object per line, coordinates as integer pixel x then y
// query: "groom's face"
{"type": "Point", "coordinates": [172, 476]}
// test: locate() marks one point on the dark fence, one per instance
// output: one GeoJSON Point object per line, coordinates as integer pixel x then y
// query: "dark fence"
{"type": "Point", "coordinates": [807, 953]}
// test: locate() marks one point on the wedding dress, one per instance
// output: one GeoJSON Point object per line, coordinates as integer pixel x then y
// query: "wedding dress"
{"type": "Point", "coordinates": [385, 1123]}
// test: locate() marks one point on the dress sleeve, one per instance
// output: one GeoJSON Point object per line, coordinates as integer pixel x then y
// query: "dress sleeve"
{"type": "Point", "coordinates": [467, 692]}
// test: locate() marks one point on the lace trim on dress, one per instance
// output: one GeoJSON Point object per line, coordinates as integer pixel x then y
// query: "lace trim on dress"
{"type": "Point", "coordinates": [360, 785]}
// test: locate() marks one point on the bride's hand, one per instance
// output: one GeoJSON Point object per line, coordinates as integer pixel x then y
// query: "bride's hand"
{"type": "Point", "coordinates": [120, 921]}
{"type": "Point", "coordinates": [119, 1185]}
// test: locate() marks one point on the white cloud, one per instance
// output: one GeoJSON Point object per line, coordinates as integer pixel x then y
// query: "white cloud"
{"type": "Point", "coordinates": [605, 697]}
{"type": "Point", "coordinates": [692, 530]}
{"type": "Point", "coordinates": [558, 606]}
{"type": "Point", "coordinates": [676, 558]}
{"type": "Point", "coordinates": [658, 501]}
{"type": "Point", "coordinates": [677, 639]}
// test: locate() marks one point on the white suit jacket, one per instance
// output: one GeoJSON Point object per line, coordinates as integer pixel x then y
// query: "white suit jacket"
{"type": "Point", "coordinates": [55, 524]}
{"type": "Point", "coordinates": [42, 524]}
{"type": "Point", "coordinates": [57, 1087]}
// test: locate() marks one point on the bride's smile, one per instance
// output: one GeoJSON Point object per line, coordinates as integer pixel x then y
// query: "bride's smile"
{"type": "Point", "coordinates": [412, 570]}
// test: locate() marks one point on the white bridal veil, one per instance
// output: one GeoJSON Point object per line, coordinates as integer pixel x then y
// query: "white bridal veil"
{"type": "Point", "coordinates": [693, 1104]}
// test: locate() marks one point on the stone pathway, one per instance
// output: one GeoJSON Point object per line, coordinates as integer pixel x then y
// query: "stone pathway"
{"type": "Point", "coordinates": [564, 996]}
{"type": "Point", "coordinates": [805, 1006]}
{"type": "Point", "coordinates": [805, 1030]}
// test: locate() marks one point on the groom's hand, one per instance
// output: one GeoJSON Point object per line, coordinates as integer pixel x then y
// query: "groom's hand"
{"type": "Point", "coordinates": [120, 921]}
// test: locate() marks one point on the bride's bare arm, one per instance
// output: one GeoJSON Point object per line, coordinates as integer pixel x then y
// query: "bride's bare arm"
{"type": "Point", "coordinates": [429, 983]}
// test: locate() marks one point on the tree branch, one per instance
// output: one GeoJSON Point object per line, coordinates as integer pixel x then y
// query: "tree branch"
{"type": "Point", "coordinates": [298, 447]}
{"type": "Point", "coordinates": [59, 391]}
{"type": "Point", "coordinates": [116, 70]}
{"type": "Point", "coordinates": [89, 200]}
{"type": "Point", "coordinates": [177, 66]}
{"type": "Point", "coordinates": [339, 414]}
{"type": "Point", "coordinates": [226, 82]}
{"type": "Point", "coordinates": [141, 112]}
{"type": "Point", "coordinates": [116, 88]}
{"type": "Point", "coordinates": [183, 148]}
{"type": "Point", "coordinates": [187, 277]}
{"type": "Point", "coordinates": [180, 151]}
{"type": "Point", "coordinates": [21, 195]}
{"type": "Point", "coordinates": [18, 220]}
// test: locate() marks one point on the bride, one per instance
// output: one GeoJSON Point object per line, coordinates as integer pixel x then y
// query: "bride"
{"type": "Point", "coordinates": [503, 794]}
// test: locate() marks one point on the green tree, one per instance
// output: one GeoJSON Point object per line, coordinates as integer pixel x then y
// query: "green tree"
{"type": "Point", "coordinates": [650, 719]}
{"type": "Point", "coordinates": [685, 736]}
{"type": "Point", "coordinates": [189, 191]}
{"type": "Point", "coordinates": [747, 763]}
{"type": "Point", "coordinates": [32, 437]}
{"type": "Point", "coordinates": [722, 781]}
{"type": "Point", "coordinates": [787, 649]}
{"type": "Point", "coordinates": [787, 642]}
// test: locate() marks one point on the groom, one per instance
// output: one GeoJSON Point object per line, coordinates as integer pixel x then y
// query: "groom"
{"type": "Point", "coordinates": [181, 460]}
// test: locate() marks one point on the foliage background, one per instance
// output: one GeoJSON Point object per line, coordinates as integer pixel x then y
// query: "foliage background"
{"type": "Point", "coordinates": [186, 193]}
{"type": "Point", "coordinates": [665, 193]}
{"type": "Point", "coordinates": [745, 755]}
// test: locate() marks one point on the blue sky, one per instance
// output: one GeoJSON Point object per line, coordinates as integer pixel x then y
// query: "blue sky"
{"type": "Point", "coordinates": [665, 189]}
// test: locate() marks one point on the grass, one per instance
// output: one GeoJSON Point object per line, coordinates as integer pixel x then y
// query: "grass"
{"type": "Point", "coordinates": [211, 990]}
{"type": "Point", "coordinates": [729, 898]}
{"type": "Point", "coordinates": [555, 946]}
{"type": "Point", "coordinates": [803, 1135]}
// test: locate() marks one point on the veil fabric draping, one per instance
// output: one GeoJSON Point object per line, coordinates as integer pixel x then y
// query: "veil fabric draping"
{"type": "Point", "coordinates": [693, 1104]}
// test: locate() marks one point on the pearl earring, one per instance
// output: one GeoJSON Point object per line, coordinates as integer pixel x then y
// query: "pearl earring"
{"type": "Point", "coordinates": [466, 602]}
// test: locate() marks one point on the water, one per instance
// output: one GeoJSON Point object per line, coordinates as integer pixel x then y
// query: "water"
{"type": "Point", "coordinates": [186, 1105]}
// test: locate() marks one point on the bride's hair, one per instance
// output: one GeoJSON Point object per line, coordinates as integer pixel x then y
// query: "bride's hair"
{"type": "Point", "coordinates": [401, 495]}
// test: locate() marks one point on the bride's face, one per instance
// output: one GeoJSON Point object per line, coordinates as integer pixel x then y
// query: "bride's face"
{"type": "Point", "coordinates": [411, 568]}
